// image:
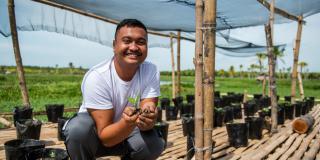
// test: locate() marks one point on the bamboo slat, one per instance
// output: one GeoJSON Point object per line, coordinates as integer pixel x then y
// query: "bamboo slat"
{"type": "Point", "coordinates": [314, 149]}
{"type": "Point", "coordinates": [283, 148]}
{"type": "Point", "coordinates": [304, 146]}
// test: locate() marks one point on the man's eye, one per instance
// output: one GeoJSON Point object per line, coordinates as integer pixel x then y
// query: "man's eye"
{"type": "Point", "coordinates": [126, 41]}
{"type": "Point", "coordinates": [141, 42]}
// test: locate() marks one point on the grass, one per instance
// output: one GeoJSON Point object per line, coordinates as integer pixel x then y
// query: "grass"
{"type": "Point", "coordinates": [43, 89]}
{"type": "Point", "coordinates": [238, 85]}
{"type": "Point", "coordinates": [65, 89]}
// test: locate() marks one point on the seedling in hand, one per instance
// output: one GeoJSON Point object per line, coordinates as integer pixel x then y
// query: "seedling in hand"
{"type": "Point", "coordinates": [135, 103]}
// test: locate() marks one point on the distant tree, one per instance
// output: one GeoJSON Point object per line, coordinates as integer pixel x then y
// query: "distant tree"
{"type": "Point", "coordinates": [57, 68]}
{"type": "Point", "coordinates": [71, 67]}
{"type": "Point", "coordinates": [288, 72]}
{"type": "Point", "coordinates": [231, 71]}
{"type": "Point", "coordinates": [279, 53]}
{"type": "Point", "coordinates": [221, 73]}
{"type": "Point", "coordinates": [261, 57]}
{"type": "Point", "coordinates": [302, 65]}
{"type": "Point", "coordinates": [2, 69]}
{"type": "Point", "coordinates": [241, 71]}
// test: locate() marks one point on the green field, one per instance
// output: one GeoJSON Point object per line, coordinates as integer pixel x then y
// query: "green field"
{"type": "Point", "coordinates": [65, 88]}
{"type": "Point", "coordinates": [238, 85]}
{"type": "Point", "coordinates": [43, 89]}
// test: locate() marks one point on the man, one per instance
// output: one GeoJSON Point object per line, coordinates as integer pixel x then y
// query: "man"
{"type": "Point", "coordinates": [107, 123]}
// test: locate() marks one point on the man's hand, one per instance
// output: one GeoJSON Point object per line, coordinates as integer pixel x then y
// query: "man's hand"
{"type": "Point", "coordinates": [148, 116]}
{"type": "Point", "coordinates": [129, 117]}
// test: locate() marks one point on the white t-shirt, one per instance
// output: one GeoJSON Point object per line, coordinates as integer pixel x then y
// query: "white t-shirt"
{"type": "Point", "coordinates": [102, 88]}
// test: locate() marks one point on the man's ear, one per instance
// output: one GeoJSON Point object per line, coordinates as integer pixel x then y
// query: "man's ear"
{"type": "Point", "coordinates": [113, 43]}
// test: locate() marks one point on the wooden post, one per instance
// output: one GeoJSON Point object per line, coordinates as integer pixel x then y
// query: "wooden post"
{"type": "Point", "coordinates": [264, 83]}
{"type": "Point", "coordinates": [300, 85]}
{"type": "Point", "coordinates": [178, 65]}
{"type": "Point", "coordinates": [173, 69]}
{"type": "Point", "coordinates": [272, 66]}
{"type": "Point", "coordinates": [16, 49]}
{"type": "Point", "coordinates": [198, 93]}
{"type": "Point", "coordinates": [209, 26]}
{"type": "Point", "coordinates": [295, 61]}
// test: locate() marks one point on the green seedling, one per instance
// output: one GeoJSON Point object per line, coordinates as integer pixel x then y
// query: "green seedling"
{"type": "Point", "coordinates": [52, 155]}
{"type": "Point", "coordinates": [265, 110]}
{"type": "Point", "coordinates": [135, 102]}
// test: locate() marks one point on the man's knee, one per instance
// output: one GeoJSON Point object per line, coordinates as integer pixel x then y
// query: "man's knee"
{"type": "Point", "coordinates": [80, 129]}
{"type": "Point", "coordinates": [81, 139]}
{"type": "Point", "coordinates": [147, 151]}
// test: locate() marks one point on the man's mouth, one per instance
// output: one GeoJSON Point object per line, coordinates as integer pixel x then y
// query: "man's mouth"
{"type": "Point", "coordinates": [133, 54]}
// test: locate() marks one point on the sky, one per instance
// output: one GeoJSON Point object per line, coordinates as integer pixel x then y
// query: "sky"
{"type": "Point", "coordinates": [41, 48]}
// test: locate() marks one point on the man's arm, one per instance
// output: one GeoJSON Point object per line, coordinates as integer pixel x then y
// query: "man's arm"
{"type": "Point", "coordinates": [111, 133]}
{"type": "Point", "coordinates": [146, 120]}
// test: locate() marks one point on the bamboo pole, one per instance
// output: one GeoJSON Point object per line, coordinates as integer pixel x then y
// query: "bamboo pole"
{"type": "Point", "coordinates": [209, 26]}
{"type": "Point", "coordinates": [272, 64]}
{"type": "Point", "coordinates": [280, 11]}
{"type": "Point", "coordinates": [295, 61]}
{"type": "Point", "coordinates": [198, 62]}
{"type": "Point", "coordinates": [173, 69]}
{"type": "Point", "coordinates": [300, 85]}
{"type": "Point", "coordinates": [178, 65]}
{"type": "Point", "coordinates": [264, 83]}
{"type": "Point", "coordinates": [5, 122]}
{"type": "Point", "coordinates": [16, 49]}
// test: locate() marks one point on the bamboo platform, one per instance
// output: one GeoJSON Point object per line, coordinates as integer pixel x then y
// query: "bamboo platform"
{"type": "Point", "coordinates": [283, 145]}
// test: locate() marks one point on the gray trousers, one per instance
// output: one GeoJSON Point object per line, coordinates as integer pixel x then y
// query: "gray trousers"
{"type": "Point", "coordinates": [82, 142]}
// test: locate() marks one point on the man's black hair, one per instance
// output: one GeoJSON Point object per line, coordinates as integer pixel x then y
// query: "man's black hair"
{"type": "Point", "coordinates": [130, 23]}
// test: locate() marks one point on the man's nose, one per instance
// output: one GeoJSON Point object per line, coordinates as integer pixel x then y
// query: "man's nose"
{"type": "Point", "coordinates": [133, 46]}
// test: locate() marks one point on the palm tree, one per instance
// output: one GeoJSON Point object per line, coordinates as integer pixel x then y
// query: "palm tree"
{"type": "Point", "coordinates": [252, 69]}
{"type": "Point", "coordinates": [261, 57]}
{"type": "Point", "coordinates": [288, 72]}
{"type": "Point", "coordinates": [302, 65]}
{"type": "Point", "coordinates": [279, 53]}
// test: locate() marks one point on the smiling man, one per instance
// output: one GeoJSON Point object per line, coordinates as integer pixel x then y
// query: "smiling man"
{"type": "Point", "coordinates": [107, 123]}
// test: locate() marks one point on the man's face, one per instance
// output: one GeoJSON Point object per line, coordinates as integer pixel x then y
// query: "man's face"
{"type": "Point", "coordinates": [130, 45]}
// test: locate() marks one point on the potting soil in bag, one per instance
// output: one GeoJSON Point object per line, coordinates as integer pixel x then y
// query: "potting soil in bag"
{"type": "Point", "coordinates": [19, 148]}
{"type": "Point", "coordinates": [187, 125]}
{"type": "Point", "coordinates": [28, 129]}
{"type": "Point", "coordinates": [54, 111]}
{"type": "Point", "coordinates": [162, 129]}
{"type": "Point", "coordinates": [237, 134]}
{"type": "Point", "coordinates": [22, 113]}
{"type": "Point", "coordinates": [255, 127]}
{"type": "Point", "coordinates": [61, 122]}
{"type": "Point", "coordinates": [48, 154]}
